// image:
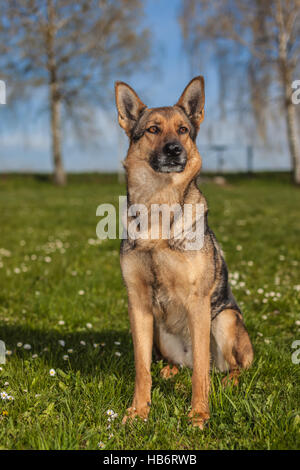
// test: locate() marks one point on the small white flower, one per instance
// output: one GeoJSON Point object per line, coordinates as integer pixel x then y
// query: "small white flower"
{"type": "Point", "coordinates": [62, 342]}
{"type": "Point", "coordinates": [260, 291]}
{"type": "Point", "coordinates": [267, 341]}
{"type": "Point", "coordinates": [250, 263]}
{"type": "Point", "coordinates": [6, 384]}
{"type": "Point", "coordinates": [83, 343]}
{"type": "Point", "coordinates": [81, 292]}
{"type": "Point", "coordinates": [65, 357]}
{"type": "Point", "coordinates": [110, 412]}
{"type": "Point", "coordinates": [264, 317]}
{"type": "Point", "coordinates": [70, 351]}
{"type": "Point", "coordinates": [10, 398]}
{"type": "Point", "coordinates": [297, 287]}
{"type": "Point", "coordinates": [19, 345]}
{"type": "Point", "coordinates": [48, 259]}
{"type": "Point", "coordinates": [27, 346]}
{"type": "Point", "coordinates": [52, 372]}
{"type": "Point", "coordinates": [3, 395]}
{"type": "Point", "coordinates": [239, 247]}
{"type": "Point", "coordinates": [89, 325]}
{"type": "Point", "coordinates": [8, 352]}
{"type": "Point", "coordinates": [37, 395]}
{"type": "Point", "coordinates": [259, 334]}
{"type": "Point", "coordinates": [61, 322]}
{"type": "Point", "coordinates": [34, 356]}
{"type": "Point", "coordinates": [96, 345]}
{"type": "Point", "coordinates": [17, 270]}
{"type": "Point", "coordinates": [117, 343]}
{"type": "Point", "coordinates": [297, 322]}
{"type": "Point", "coordinates": [117, 353]}
{"type": "Point", "coordinates": [101, 445]}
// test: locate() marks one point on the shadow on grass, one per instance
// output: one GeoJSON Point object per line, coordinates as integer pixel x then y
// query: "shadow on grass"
{"type": "Point", "coordinates": [85, 356]}
{"type": "Point", "coordinates": [87, 359]}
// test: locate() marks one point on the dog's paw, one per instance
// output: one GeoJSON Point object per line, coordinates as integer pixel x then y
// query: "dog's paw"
{"type": "Point", "coordinates": [167, 372]}
{"type": "Point", "coordinates": [132, 413]}
{"type": "Point", "coordinates": [231, 379]}
{"type": "Point", "coordinates": [198, 419]}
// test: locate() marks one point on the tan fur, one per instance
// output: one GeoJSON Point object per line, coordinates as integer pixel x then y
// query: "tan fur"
{"type": "Point", "coordinates": [170, 289]}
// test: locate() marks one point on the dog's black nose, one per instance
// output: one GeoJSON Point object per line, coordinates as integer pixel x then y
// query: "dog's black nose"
{"type": "Point", "coordinates": [172, 149]}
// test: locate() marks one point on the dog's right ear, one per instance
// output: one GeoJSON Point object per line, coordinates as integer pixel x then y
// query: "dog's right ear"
{"type": "Point", "coordinates": [129, 106]}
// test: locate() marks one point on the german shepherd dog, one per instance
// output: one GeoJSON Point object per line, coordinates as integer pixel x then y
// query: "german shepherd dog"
{"type": "Point", "coordinates": [179, 300]}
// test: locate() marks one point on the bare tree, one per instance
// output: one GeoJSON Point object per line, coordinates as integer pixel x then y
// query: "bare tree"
{"type": "Point", "coordinates": [266, 35]}
{"type": "Point", "coordinates": [71, 49]}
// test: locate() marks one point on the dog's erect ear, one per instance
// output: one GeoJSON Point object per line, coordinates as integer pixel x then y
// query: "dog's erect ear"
{"type": "Point", "coordinates": [129, 106]}
{"type": "Point", "coordinates": [192, 100]}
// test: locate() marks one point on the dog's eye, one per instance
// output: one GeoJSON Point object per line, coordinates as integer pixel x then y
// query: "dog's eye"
{"type": "Point", "coordinates": [153, 130]}
{"type": "Point", "coordinates": [183, 130]}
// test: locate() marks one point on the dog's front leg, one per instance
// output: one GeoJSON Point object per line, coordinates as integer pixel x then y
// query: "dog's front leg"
{"type": "Point", "coordinates": [199, 325]}
{"type": "Point", "coordinates": [141, 321]}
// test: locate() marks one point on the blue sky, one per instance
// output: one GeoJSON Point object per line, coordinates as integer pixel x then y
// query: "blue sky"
{"type": "Point", "coordinates": [25, 144]}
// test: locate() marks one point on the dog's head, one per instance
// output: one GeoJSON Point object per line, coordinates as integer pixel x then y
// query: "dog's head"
{"type": "Point", "coordinates": [164, 136]}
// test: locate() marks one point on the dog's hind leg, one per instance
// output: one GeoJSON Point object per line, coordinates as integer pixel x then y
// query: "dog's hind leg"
{"type": "Point", "coordinates": [231, 346]}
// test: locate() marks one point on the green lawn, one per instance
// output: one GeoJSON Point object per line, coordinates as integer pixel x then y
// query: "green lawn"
{"type": "Point", "coordinates": [58, 284]}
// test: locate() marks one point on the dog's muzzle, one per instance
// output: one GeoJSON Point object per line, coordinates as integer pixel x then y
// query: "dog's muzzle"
{"type": "Point", "coordinates": [171, 159]}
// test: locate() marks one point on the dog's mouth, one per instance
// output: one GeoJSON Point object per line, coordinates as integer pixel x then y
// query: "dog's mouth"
{"type": "Point", "coordinates": [162, 164]}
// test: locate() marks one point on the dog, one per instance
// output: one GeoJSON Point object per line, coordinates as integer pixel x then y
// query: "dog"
{"type": "Point", "coordinates": [179, 300]}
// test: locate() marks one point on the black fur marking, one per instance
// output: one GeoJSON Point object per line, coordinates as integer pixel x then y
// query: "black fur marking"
{"type": "Point", "coordinates": [137, 133]}
{"type": "Point", "coordinates": [193, 131]}
{"type": "Point", "coordinates": [163, 164]}
{"type": "Point", "coordinates": [194, 104]}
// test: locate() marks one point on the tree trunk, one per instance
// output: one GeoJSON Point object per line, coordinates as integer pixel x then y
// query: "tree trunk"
{"type": "Point", "coordinates": [55, 108]}
{"type": "Point", "coordinates": [54, 98]}
{"type": "Point", "coordinates": [285, 71]}
{"type": "Point", "coordinates": [293, 138]}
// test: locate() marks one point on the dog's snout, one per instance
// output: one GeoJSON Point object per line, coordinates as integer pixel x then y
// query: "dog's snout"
{"type": "Point", "coordinates": [172, 149]}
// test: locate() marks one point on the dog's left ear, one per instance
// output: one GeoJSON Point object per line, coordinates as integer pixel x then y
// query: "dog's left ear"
{"type": "Point", "coordinates": [129, 106]}
{"type": "Point", "coordinates": [192, 100]}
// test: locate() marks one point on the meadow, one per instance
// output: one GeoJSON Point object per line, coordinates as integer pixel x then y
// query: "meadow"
{"type": "Point", "coordinates": [69, 372]}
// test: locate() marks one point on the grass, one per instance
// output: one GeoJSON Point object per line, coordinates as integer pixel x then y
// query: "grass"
{"type": "Point", "coordinates": [49, 255]}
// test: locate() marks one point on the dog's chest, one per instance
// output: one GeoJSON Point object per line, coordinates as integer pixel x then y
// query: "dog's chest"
{"type": "Point", "coordinates": [174, 280]}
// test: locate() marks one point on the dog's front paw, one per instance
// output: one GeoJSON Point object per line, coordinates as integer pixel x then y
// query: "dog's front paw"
{"type": "Point", "coordinates": [198, 419]}
{"type": "Point", "coordinates": [133, 412]}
